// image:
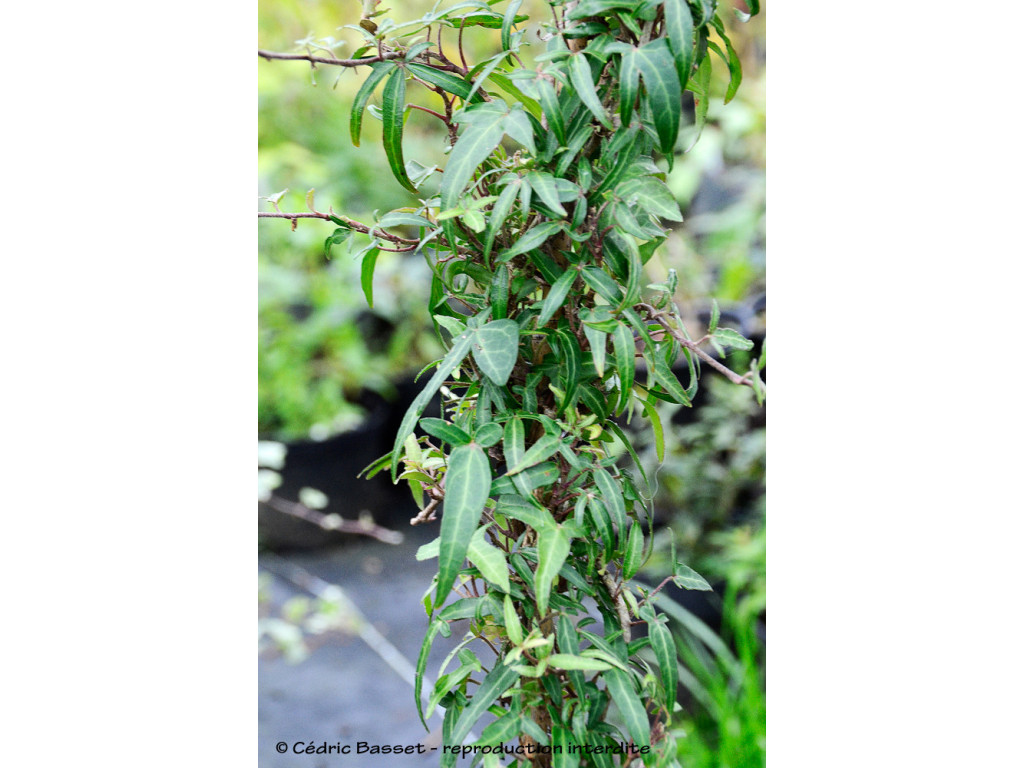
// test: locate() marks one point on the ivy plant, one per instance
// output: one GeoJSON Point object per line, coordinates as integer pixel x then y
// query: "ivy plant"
{"type": "Point", "coordinates": [551, 200]}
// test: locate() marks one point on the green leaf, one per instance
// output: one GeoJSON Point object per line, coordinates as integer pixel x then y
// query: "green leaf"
{"type": "Point", "coordinates": [509, 87]}
{"type": "Point", "coordinates": [651, 195]}
{"type": "Point", "coordinates": [634, 551]}
{"type": "Point", "coordinates": [556, 297]}
{"type": "Point", "coordinates": [366, 273]}
{"type": "Point", "coordinates": [603, 284]}
{"type": "Point", "coordinates": [715, 315]}
{"type": "Point", "coordinates": [611, 495]}
{"type": "Point", "coordinates": [513, 626]}
{"type": "Point", "coordinates": [473, 147]}
{"type": "Point", "coordinates": [496, 348]}
{"type": "Point", "coordinates": [629, 85]}
{"type": "Point", "coordinates": [665, 653]}
{"type": "Point", "coordinates": [488, 559]}
{"type": "Point", "coordinates": [659, 432]}
{"type": "Point", "coordinates": [429, 550]}
{"type": "Point", "coordinates": [488, 435]}
{"type": "Point", "coordinates": [664, 376]}
{"type": "Point", "coordinates": [732, 60]}
{"type": "Point", "coordinates": [679, 30]}
{"type": "Point", "coordinates": [533, 515]}
{"type": "Point", "coordinates": [598, 347]}
{"type": "Point", "coordinates": [544, 185]}
{"type": "Point", "coordinates": [421, 665]}
{"type": "Point", "coordinates": [500, 212]}
{"type": "Point", "coordinates": [687, 578]}
{"type": "Point", "coordinates": [378, 72]}
{"type": "Point", "coordinates": [585, 663]}
{"type": "Point", "coordinates": [445, 80]}
{"type": "Point", "coordinates": [393, 116]}
{"type": "Point", "coordinates": [657, 68]}
{"type": "Point", "coordinates": [620, 686]}
{"type": "Point", "coordinates": [460, 347]}
{"type": "Point", "coordinates": [533, 238]}
{"type": "Point", "coordinates": [552, 109]}
{"type": "Point", "coordinates": [514, 445]}
{"type": "Point", "coordinates": [441, 429]}
{"type": "Point", "coordinates": [570, 354]}
{"type": "Point", "coordinates": [543, 449]}
{"type": "Point", "coordinates": [625, 363]}
{"type": "Point", "coordinates": [496, 683]}
{"type": "Point", "coordinates": [583, 82]}
{"type": "Point", "coordinates": [467, 485]}
{"type": "Point", "coordinates": [552, 549]}
{"type": "Point", "coordinates": [507, 22]}
{"type": "Point", "coordinates": [727, 337]}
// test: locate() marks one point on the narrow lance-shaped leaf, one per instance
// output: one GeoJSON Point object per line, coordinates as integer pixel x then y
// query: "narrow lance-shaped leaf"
{"type": "Point", "coordinates": [625, 363]}
{"type": "Point", "coordinates": [489, 560]}
{"type": "Point", "coordinates": [679, 29]}
{"type": "Point", "coordinates": [378, 72]}
{"type": "Point", "coordinates": [460, 347]}
{"type": "Point", "coordinates": [552, 109]}
{"type": "Point", "coordinates": [533, 238]}
{"type": "Point", "coordinates": [556, 297]}
{"type": "Point", "coordinates": [472, 148]}
{"type": "Point", "coordinates": [502, 207]}
{"type": "Point", "coordinates": [665, 653]}
{"type": "Point", "coordinates": [496, 683]}
{"type": "Point", "coordinates": [446, 80]}
{"type": "Point", "coordinates": [366, 273]}
{"type": "Point", "coordinates": [583, 83]}
{"type": "Point", "coordinates": [552, 549]}
{"type": "Point", "coordinates": [393, 115]}
{"type": "Point", "coordinates": [620, 686]}
{"type": "Point", "coordinates": [543, 449]}
{"type": "Point", "coordinates": [657, 67]}
{"type": "Point", "coordinates": [629, 85]}
{"type": "Point", "coordinates": [611, 494]}
{"type": "Point", "coordinates": [467, 484]}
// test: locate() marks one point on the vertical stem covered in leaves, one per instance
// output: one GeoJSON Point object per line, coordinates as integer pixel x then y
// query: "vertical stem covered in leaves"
{"type": "Point", "coordinates": [551, 202]}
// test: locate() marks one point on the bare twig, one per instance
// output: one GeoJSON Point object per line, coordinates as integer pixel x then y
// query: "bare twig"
{"type": "Point", "coordinates": [269, 55]}
{"type": "Point", "coordinates": [334, 522]}
{"type": "Point", "coordinates": [359, 227]}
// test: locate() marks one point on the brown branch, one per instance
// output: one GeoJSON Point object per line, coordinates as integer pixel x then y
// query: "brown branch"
{"type": "Point", "coordinates": [269, 55]}
{"type": "Point", "coordinates": [359, 227]}
{"type": "Point", "coordinates": [734, 377]}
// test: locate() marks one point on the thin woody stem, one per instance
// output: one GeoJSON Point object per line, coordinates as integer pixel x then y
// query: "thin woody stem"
{"type": "Point", "coordinates": [328, 60]}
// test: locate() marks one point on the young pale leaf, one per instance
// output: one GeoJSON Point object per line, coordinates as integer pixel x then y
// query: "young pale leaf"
{"type": "Point", "coordinates": [552, 549]}
{"type": "Point", "coordinates": [467, 485]}
{"type": "Point", "coordinates": [460, 347]}
{"type": "Point", "coordinates": [583, 82]}
{"type": "Point", "coordinates": [393, 116]}
{"type": "Point", "coordinates": [513, 626]}
{"type": "Point", "coordinates": [366, 273]}
{"type": "Point", "coordinates": [489, 560]}
{"type": "Point", "coordinates": [620, 686]}
{"type": "Point", "coordinates": [495, 349]}
{"type": "Point", "coordinates": [496, 683]}
{"type": "Point", "coordinates": [556, 297]}
{"type": "Point", "coordinates": [378, 72]}
{"type": "Point", "coordinates": [585, 663]}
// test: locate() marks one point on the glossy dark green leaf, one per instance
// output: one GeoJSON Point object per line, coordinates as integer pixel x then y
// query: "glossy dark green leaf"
{"type": "Point", "coordinates": [495, 349]}
{"type": "Point", "coordinates": [460, 348]}
{"type": "Point", "coordinates": [611, 495]}
{"type": "Point", "coordinates": [366, 273]}
{"type": "Point", "coordinates": [602, 523]}
{"type": "Point", "coordinates": [556, 297]}
{"type": "Point", "coordinates": [583, 82]}
{"type": "Point", "coordinates": [467, 485]}
{"type": "Point", "coordinates": [633, 558]}
{"type": "Point", "coordinates": [378, 72]}
{"type": "Point", "coordinates": [629, 85]}
{"type": "Point", "coordinates": [571, 365]}
{"type": "Point", "coordinates": [620, 686]}
{"type": "Point", "coordinates": [603, 284]}
{"type": "Point", "coordinates": [552, 109]}
{"type": "Point", "coordinates": [657, 68]}
{"type": "Point", "coordinates": [679, 30]}
{"type": "Point", "coordinates": [732, 60]}
{"type": "Point", "coordinates": [544, 185]}
{"type": "Point", "coordinates": [393, 116]}
{"type": "Point", "coordinates": [443, 430]}
{"type": "Point", "coordinates": [667, 379]}
{"type": "Point", "coordinates": [598, 341]}
{"type": "Point", "coordinates": [659, 432]}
